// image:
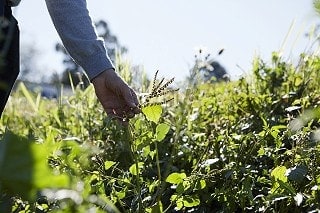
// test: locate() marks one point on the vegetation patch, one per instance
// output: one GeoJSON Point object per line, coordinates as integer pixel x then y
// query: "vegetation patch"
{"type": "Point", "coordinates": [249, 145]}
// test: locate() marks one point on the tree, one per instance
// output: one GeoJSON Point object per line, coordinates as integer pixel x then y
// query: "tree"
{"type": "Point", "coordinates": [112, 43]}
{"type": "Point", "coordinates": [74, 71]}
{"type": "Point", "coordinates": [316, 5]}
{"type": "Point", "coordinates": [28, 66]}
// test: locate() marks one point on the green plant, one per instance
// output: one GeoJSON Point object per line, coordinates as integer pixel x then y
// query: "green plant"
{"type": "Point", "coordinates": [247, 145]}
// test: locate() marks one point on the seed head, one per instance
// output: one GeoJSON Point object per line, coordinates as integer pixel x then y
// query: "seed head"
{"type": "Point", "coordinates": [159, 89]}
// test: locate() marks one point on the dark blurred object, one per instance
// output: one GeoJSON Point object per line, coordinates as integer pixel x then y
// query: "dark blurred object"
{"type": "Point", "coordinates": [207, 69]}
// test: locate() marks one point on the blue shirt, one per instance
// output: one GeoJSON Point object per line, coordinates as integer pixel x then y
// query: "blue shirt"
{"type": "Point", "coordinates": [1, 7]}
{"type": "Point", "coordinates": [76, 30]}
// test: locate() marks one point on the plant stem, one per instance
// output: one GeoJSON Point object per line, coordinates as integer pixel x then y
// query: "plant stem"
{"type": "Point", "coordinates": [157, 161]}
{"type": "Point", "coordinates": [129, 136]}
{"type": "Point", "coordinates": [158, 169]}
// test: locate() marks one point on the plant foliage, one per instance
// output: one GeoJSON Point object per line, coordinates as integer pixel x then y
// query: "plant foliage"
{"type": "Point", "coordinates": [250, 145]}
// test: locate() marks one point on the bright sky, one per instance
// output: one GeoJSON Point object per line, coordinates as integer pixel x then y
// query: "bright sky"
{"type": "Point", "coordinates": [164, 34]}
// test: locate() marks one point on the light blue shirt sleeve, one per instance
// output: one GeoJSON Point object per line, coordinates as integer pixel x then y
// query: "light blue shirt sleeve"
{"type": "Point", "coordinates": [74, 25]}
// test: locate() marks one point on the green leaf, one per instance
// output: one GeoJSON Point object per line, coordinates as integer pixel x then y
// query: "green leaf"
{"type": "Point", "coordinates": [153, 186]}
{"type": "Point", "coordinates": [190, 201]}
{"type": "Point", "coordinates": [157, 208]}
{"type": "Point", "coordinates": [121, 194]}
{"type": "Point", "coordinates": [108, 164]}
{"type": "Point", "coordinates": [133, 168]}
{"type": "Point", "coordinates": [24, 168]}
{"type": "Point", "coordinates": [316, 5]}
{"type": "Point", "coordinates": [261, 151]}
{"type": "Point", "coordinates": [180, 188]}
{"type": "Point", "coordinates": [176, 178]}
{"type": "Point", "coordinates": [146, 151]}
{"type": "Point", "coordinates": [200, 184]}
{"type": "Point", "coordinates": [185, 201]}
{"type": "Point", "coordinates": [279, 179]}
{"type": "Point", "coordinates": [28, 96]}
{"type": "Point", "coordinates": [161, 131]}
{"type": "Point", "coordinates": [279, 173]}
{"type": "Point", "coordinates": [178, 200]}
{"type": "Point", "coordinates": [318, 179]}
{"type": "Point", "coordinates": [152, 113]}
{"type": "Point", "coordinates": [287, 187]}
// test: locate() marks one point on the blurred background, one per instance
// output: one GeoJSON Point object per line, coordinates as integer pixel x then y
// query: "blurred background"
{"type": "Point", "coordinates": [166, 35]}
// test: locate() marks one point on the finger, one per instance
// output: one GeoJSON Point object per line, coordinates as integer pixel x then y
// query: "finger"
{"type": "Point", "coordinates": [134, 97]}
{"type": "Point", "coordinates": [117, 113]}
{"type": "Point", "coordinates": [129, 97]}
{"type": "Point", "coordinates": [135, 109]}
{"type": "Point", "coordinates": [130, 114]}
{"type": "Point", "coordinates": [120, 113]}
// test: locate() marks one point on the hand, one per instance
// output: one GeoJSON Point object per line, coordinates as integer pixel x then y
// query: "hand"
{"type": "Point", "coordinates": [116, 97]}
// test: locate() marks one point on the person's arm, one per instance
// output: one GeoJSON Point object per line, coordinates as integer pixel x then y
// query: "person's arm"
{"type": "Point", "coordinates": [74, 26]}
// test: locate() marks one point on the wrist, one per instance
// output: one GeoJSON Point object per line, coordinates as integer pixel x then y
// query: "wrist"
{"type": "Point", "coordinates": [108, 73]}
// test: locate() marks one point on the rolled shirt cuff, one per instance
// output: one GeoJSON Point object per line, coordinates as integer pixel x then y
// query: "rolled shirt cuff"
{"type": "Point", "coordinates": [96, 64]}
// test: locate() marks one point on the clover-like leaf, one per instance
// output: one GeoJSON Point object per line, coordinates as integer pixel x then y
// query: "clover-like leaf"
{"type": "Point", "coordinates": [161, 131]}
{"type": "Point", "coordinates": [152, 113]}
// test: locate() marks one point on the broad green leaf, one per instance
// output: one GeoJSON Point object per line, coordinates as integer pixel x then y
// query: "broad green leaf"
{"type": "Point", "coordinates": [24, 168]}
{"type": "Point", "coordinates": [201, 184]}
{"type": "Point", "coordinates": [274, 134]}
{"type": "Point", "coordinates": [95, 177]}
{"type": "Point", "coordinates": [180, 189]}
{"type": "Point", "coordinates": [178, 200]}
{"type": "Point", "coordinates": [121, 194]}
{"type": "Point", "coordinates": [279, 179]}
{"type": "Point", "coordinates": [279, 127]}
{"type": "Point", "coordinates": [190, 201]}
{"type": "Point", "coordinates": [261, 151]}
{"type": "Point", "coordinates": [152, 113]}
{"type": "Point", "coordinates": [176, 178]}
{"type": "Point", "coordinates": [108, 164]}
{"type": "Point", "coordinates": [146, 151]}
{"type": "Point", "coordinates": [153, 186]}
{"type": "Point", "coordinates": [161, 131]}
{"type": "Point", "coordinates": [185, 201]}
{"type": "Point", "coordinates": [279, 173]}
{"type": "Point", "coordinates": [133, 168]}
